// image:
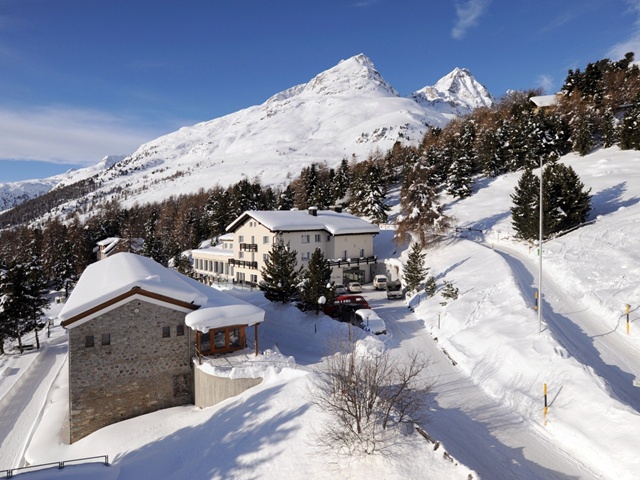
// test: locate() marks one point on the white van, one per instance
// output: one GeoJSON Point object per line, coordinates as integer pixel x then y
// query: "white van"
{"type": "Point", "coordinates": [380, 282]}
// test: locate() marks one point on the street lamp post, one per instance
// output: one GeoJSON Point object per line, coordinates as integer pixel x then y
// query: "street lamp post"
{"type": "Point", "coordinates": [540, 256]}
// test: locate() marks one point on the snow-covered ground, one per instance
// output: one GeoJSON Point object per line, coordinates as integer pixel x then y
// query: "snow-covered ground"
{"type": "Point", "coordinates": [490, 360]}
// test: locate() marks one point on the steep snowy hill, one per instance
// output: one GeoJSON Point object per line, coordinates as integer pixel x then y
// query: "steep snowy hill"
{"type": "Point", "coordinates": [344, 112]}
{"type": "Point", "coordinates": [347, 111]}
{"type": "Point", "coordinates": [457, 92]}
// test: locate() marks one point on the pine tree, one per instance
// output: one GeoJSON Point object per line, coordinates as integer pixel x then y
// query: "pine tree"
{"type": "Point", "coordinates": [566, 202]}
{"type": "Point", "coordinates": [524, 213]}
{"type": "Point", "coordinates": [430, 286]}
{"type": "Point", "coordinates": [368, 193]}
{"type": "Point", "coordinates": [449, 292]}
{"type": "Point", "coordinates": [280, 275]}
{"type": "Point", "coordinates": [153, 247]}
{"type": "Point", "coordinates": [415, 271]}
{"type": "Point", "coordinates": [420, 211]}
{"type": "Point", "coordinates": [316, 283]}
{"type": "Point", "coordinates": [629, 131]}
{"type": "Point", "coordinates": [22, 299]}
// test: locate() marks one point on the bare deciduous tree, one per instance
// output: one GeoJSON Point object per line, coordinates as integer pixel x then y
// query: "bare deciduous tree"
{"type": "Point", "coordinates": [369, 395]}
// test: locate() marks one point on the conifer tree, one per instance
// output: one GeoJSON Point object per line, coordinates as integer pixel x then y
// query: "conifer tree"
{"type": "Point", "coordinates": [629, 130]}
{"type": "Point", "coordinates": [316, 283]}
{"type": "Point", "coordinates": [280, 274]}
{"type": "Point", "coordinates": [421, 211]}
{"type": "Point", "coordinates": [524, 213]}
{"type": "Point", "coordinates": [415, 270]}
{"type": "Point", "coordinates": [566, 203]}
{"type": "Point", "coordinates": [368, 193]}
{"type": "Point", "coordinates": [218, 211]}
{"type": "Point", "coordinates": [22, 299]}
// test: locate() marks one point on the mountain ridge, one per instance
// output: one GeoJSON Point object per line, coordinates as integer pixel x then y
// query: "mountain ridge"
{"type": "Point", "coordinates": [346, 111]}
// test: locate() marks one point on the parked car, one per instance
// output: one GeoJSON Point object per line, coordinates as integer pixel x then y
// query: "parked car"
{"type": "Point", "coordinates": [354, 287]}
{"type": "Point", "coordinates": [394, 289]}
{"type": "Point", "coordinates": [369, 321]}
{"type": "Point", "coordinates": [344, 307]}
{"type": "Point", "coordinates": [380, 282]}
{"type": "Point", "coordinates": [340, 289]}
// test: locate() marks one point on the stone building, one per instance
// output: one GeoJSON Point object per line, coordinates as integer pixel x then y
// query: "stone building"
{"type": "Point", "coordinates": [132, 341]}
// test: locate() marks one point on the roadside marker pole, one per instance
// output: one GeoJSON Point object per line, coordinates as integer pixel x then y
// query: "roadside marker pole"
{"type": "Point", "coordinates": [628, 308]}
{"type": "Point", "coordinates": [535, 308]}
{"type": "Point", "coordinates": [545, 402]}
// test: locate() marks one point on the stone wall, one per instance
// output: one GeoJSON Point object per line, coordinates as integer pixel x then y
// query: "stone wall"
{"type": "Point", "coordinates": [138, 372]}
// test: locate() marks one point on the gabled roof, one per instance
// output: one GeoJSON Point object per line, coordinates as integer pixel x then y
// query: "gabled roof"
{"type": "Point", "coordinates": [300, 220]}
{"type": "Point", "coordinates": [106, 283]}
{"type": "Point", "coordinates": [545, 100]}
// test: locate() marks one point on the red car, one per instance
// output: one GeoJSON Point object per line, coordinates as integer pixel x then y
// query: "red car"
{"type": "Point", "coordinates": [345, 306]}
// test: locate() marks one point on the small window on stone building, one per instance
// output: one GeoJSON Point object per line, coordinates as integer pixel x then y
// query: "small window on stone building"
{"type": "Point", "coordinates": [180, 330]}
{"type": "Point", "coordinates": [106, 339]}
{"type": "Point", "coordinates": [88, 341]}
{"type": "Point", "coordinates": [180, 385]}
{"type": "Point", "coordinates": [166, 332]}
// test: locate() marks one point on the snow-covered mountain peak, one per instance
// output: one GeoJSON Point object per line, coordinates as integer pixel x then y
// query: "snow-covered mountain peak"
{"type": "Point", "coordinates": [353, 76]}
{"type": "Point", "coordinates": [459, 88]}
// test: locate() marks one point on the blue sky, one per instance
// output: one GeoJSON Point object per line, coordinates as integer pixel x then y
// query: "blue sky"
{"type": "Point", "coordinates": [80, 79]}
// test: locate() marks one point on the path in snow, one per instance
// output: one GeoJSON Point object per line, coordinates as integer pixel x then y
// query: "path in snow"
{"type": "Point", "coordinates": [580, 332]}
{"type": "Point", "coordinates": [21, 407]}
{"type": "Point", "coordinates": [482, 434]}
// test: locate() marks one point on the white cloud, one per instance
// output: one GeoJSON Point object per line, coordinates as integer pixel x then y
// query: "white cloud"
{"type": "Point", "coordinates": [468, 14]}
{"type": "Point", "coordinates": [66, 135]}
{"type": "Point", "coordinates": [632, 44]}
{"type": "Point", "coordinates": [546, 83]}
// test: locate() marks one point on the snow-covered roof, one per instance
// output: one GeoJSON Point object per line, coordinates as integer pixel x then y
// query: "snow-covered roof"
{"type": "Point", "coordinates": [125, 273]}
{"type": "Point", "coordinates": [212, 252]}
{"type": "Point", "coordinates": [108, 241]}
{"type": "Point", "coordinates": [297, 220]}
{"type": "Point", "coordinates": [545, 100]}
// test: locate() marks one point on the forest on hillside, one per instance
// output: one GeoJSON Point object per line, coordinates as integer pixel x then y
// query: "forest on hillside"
{"type": "Point", "coordinates": [597, 107]}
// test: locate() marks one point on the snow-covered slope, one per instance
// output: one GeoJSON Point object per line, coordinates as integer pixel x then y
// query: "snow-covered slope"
{"type": "Point", "coordinates": [458, 92]}
{"type": "Point", "coordinates": [15, 193]}
{"type": "Point", "coordinates": [346, 111]}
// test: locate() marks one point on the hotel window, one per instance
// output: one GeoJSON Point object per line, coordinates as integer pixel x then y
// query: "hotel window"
{"type": "Point", "coordinates": [265, 239]}
{"type": "Point", "coordinates": [305, 238]}
{"type": "Point", "coordinates": [306, 256]}
{"type": "Point", "coordinates": [265, 257]}
{"type": "Point", "coordinates": [241, 238]}
{"type": "Point", "coordinates": [318, 238]}
{"type": "Point", "coordinates": [254, 278]}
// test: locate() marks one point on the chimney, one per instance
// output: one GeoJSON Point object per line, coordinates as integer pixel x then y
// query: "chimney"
{"type": "Point", "coordinates": [313, 211]}
{"type": "Point", "coordinates": [337, 208]}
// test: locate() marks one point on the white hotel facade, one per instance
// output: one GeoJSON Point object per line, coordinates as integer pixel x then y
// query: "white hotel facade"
{"type": "Point", "coordinates": [345, 240]}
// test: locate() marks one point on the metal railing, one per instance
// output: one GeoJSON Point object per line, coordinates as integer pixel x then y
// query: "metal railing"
{"type": "Point", "coordinates": [60, 465]}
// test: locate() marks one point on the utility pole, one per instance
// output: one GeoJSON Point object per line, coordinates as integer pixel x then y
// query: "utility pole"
{"type": "Point", "coordinates": [540, 256]}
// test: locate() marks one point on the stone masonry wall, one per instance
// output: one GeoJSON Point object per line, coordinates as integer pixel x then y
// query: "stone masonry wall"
{"type": "Point", "coordinates": [137, 373]}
